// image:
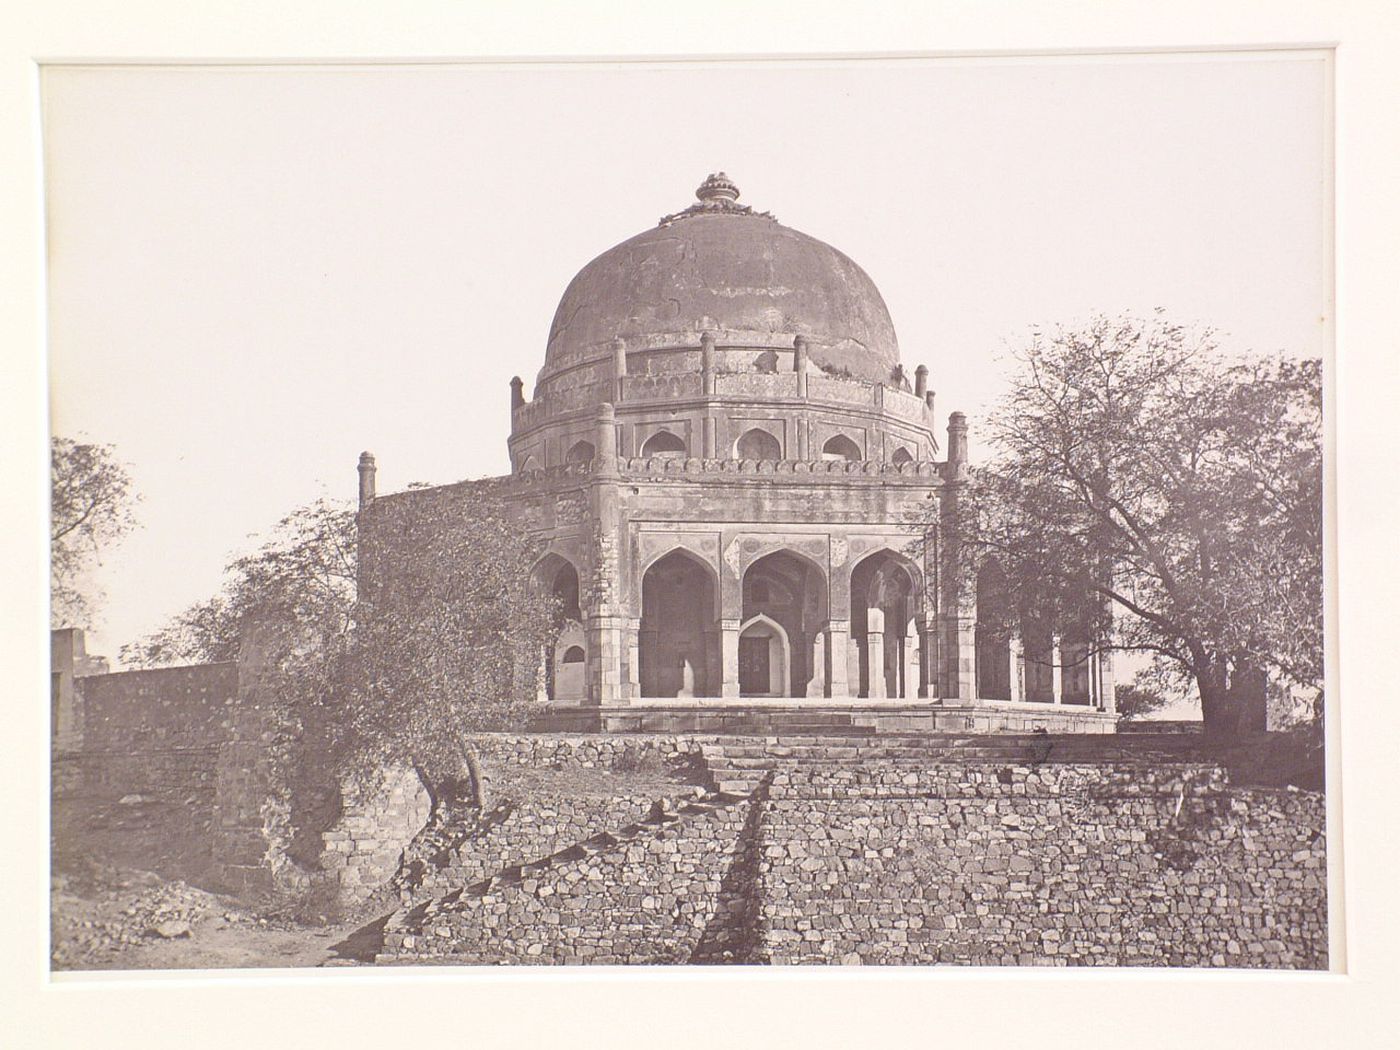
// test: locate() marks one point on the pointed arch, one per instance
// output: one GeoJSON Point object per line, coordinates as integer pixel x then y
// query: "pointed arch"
{"type": "Point", "coordinates": [757, 443]}
{"type": "Point", "coordinates": [663, 444]}
{"type": "Point", "coordinates": [765, 655]}
{"type": "Point", "coordinates": [839, 446]}
{"type": "Point", "coordinates": [678, 637]}
{"type": "Point", "coordinates": [902, 456]}
{"type": "Point", "coordinates": [580, 452]}
{"type": "Point", "coordinates": [530, 464]}
{"type": "Point", "coordinates": [886, 593]}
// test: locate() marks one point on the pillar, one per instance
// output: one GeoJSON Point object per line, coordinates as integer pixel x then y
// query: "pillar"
{"type": "Point", "coordinates": [729, 658]}
{"type": "Point", "coordinates": [960, 657]}
{"type": "Point", "coordinates": [875, 653]}
{"type": "Point", "coordinates": [799, 364]}
{"type": "Point", "coordinates": [1057, 674]}
{"type": "Point", "coordinates": [911, 661]}
{"type": "Point", "coordinates": [619, 368]}
{"type": "Point", "coordinates": [708, 437]}
{"type": "Point", "coordinates": [1018, 668]}
{"type": "Point", "coordinates": [517, 393]}
{"type": "Point", "coordinates": [1107, 689]}
{"type": "Point", "coordinates": [707, 364]}
{"type": "Point", "coordinates": [838, 645]}
{"type": "Point", "coordinates": [367, 471]}
{"type": "Point", "coordinates": [632, 639]}
{"type": "Point", "coordinates": [714, 668]}
{"type": "Point", "coordinates": [928, 661]}
{"type": "Point", "coordinates": [957, 439]}
{"type": "Point", "coordinates": [605, 443]}
{"type": "Point", "coordinates": [816, 685]}
{"type": "Point", "coordinates": [921, 381]}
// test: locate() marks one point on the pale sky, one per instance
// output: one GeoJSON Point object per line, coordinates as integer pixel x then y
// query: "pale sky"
{"type": "Point", "coordinates": [257, 273]}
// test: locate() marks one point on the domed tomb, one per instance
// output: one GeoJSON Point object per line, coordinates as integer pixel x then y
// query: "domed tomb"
{"type": "Point", "coordinates": [721, 267]}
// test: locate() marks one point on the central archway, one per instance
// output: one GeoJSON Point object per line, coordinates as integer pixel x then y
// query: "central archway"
{"type": "Point", "coordinates": [678, 640]}
{"type": "Point", "coordinates": [789, 592]}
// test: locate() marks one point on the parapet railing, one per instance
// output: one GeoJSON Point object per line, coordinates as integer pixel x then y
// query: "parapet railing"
{"type": "Point", "coordinates": [814, 387]}
{"type": "Point", "coordinates": [672, 466]}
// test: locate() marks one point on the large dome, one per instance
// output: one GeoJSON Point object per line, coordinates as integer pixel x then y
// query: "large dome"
{"type": "Point", "coordinates": [719, 266]}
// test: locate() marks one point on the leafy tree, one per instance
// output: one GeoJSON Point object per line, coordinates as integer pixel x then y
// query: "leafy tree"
{"type": "Point", "coordinates": [441, 644]}
{"type": "Point", "coordinates": [91, 508]}
{"type": "Point", "coordinates": [1147, 483]}
{"type": "Point", "coordinates": [1134, 701]}
{"type": "Point", "coordinates": [449, 636]}
{"type": "Point", "coordinates": [302, 579]}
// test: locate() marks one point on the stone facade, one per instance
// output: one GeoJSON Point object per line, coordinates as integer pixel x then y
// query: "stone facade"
{"type": "Point", "coordinates": [728, 467]}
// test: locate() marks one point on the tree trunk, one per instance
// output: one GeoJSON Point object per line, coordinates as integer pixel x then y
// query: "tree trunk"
{"type": "Point", "coordinates": [1219, 717]}
{"type": "Point", "coordinates": [480, 792]}
{"type": "Point", "coordinates": [1250, 698]}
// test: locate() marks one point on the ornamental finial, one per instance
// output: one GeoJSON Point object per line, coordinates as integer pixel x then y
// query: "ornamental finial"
{"type": "Point", "coordinates": [717, 187]}
{"type": "Point", "coordinates": [717, 195]}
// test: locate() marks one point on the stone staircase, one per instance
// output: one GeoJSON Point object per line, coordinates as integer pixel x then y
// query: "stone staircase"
{"type": "Point", "coordinates": [400, 935]}
{"type": "Point", "coordinates": [736, 765]}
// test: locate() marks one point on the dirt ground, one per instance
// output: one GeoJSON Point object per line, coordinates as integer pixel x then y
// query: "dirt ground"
{"type": "Point", "coordinates": [110, 918]}
{"type": "Point", "coordinates": [126, 884]}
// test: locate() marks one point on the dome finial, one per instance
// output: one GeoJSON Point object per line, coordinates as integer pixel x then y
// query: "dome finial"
{"type": "Point", "coordinates": [718, 187]}
{"type": "Point", "coordinates": [717, 195]}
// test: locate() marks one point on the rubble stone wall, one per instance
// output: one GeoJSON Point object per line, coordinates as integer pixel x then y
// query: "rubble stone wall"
{"type": "Point", "coordinates": [1056, 865]}
{"type": "Point", "coordinates": [666, 896]}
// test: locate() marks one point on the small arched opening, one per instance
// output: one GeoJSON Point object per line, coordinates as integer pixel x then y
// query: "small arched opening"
{"type": "Point", "coordinates": [841, 447]}
{"type": "Point", "coordinates": [663, 445]}
{"type": "Point", "coordinates": [764, 657]}
{"type": "Point", "coordinates": [757, 444]}
{"type": "Point", "coordinates": [902, 456]}
{"type": "Point", "coordinates": [581, 452]}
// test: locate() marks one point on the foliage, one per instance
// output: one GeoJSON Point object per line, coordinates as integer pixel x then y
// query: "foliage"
{"type": "Point", "coordinates": [432, 654]}
{"type": "Point", "coordinates": [91, 508]}
{"type": "Point", "coordinates": [1135, 701]}
{"type": "Point", "coordinates": [302, 579]}
{"type": "Point", "coordinates": [1170, 495]}
{"type": "Point", "coordinates": [449, 638]}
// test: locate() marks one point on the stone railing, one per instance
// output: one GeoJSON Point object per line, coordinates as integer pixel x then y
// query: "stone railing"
{"type": "Point", "coordinates": [821, 388]}
{"type": "Point", "coordinates": [664, 466]}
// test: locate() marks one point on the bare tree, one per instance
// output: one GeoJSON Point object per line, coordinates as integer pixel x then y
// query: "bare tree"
{"type": "Point", "coordinates": [1141, 473]}
{"type": "Point", "coordinates": [91, 509]}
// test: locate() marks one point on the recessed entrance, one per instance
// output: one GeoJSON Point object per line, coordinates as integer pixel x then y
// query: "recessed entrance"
{"type": "Point", "coordinates": [763, 658]}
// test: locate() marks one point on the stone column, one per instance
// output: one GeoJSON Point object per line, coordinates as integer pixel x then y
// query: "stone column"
{"type": "Point", "coordinates": [838, 638]}
{"type": "Point", "coordinates": [911, 661]}
{"type": "Point", "coordinates": [708, 445]}
{"type": "Point", "coordinates": [799, 364]}
{"type": "Point", "coordinates": [960, 656]}
{"type": "Point", "coordinates": [1057, 686]}
{"type": "Point", "coordinates": [875, 652]}
{"type": "Point", "coordinates": [367, 474]}
{"type": "Point", "coordinates": [928, 661]}
{"type": "Point", "coordinates": [816, 685]}
{"type": "Point", "coordinates": [619, 369]}
{"type": "Point", "coordinates": [714, 672]}
{"type": "Point", "coordinates": [729, 658]}
{"type": "Point", "coordinates": [1018, 668]}
{"type": "Point", "coordinates": [542, 676]}
{"type": "Point", "coordinates": [633, 641]}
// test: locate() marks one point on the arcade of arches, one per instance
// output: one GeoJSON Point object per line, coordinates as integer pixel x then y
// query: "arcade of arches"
{"type": "Point", "coordinates": [794, 633]}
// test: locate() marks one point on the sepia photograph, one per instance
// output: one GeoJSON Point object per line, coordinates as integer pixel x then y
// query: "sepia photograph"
{"type": "Point", "coordinates": [759, 513]}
